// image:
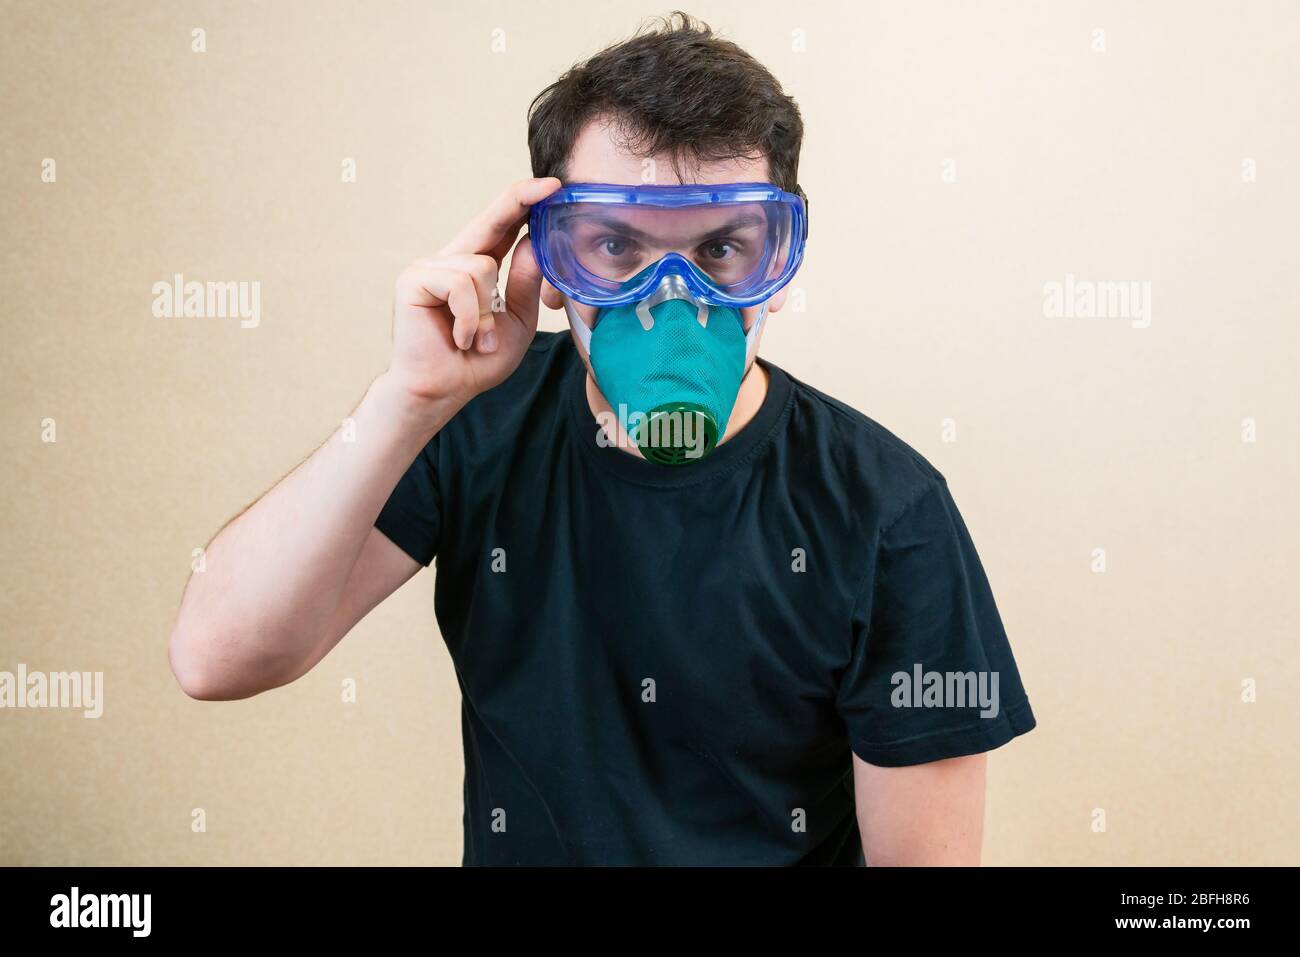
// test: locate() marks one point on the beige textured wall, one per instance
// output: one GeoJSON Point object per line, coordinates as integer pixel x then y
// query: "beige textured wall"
{"type": "Point", "coordinates": [924, 303]}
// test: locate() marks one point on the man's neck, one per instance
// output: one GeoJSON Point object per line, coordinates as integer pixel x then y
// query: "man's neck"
{"type": "Point", "coordinates": [753, 390]}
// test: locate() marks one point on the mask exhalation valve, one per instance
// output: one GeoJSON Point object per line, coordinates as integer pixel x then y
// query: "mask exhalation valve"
{"type": "Point", "coordinates": [677, 433]}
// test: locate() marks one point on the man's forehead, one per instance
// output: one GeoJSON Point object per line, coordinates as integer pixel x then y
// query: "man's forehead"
{"type": "Point", "coordinates": [601, 154]}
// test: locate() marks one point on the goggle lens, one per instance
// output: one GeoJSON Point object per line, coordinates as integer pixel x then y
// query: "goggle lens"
{"type": "Point", "coordinates": [739, 250]}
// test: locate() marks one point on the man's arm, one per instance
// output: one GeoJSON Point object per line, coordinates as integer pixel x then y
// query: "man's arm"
{"type": "Point", "coordinates": [286, 580]}
{"type": "Point", "coordinates": [923, 815]}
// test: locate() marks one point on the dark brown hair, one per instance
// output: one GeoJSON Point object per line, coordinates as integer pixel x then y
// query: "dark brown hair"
{"type": "Point", "coordinates": [677, 88]}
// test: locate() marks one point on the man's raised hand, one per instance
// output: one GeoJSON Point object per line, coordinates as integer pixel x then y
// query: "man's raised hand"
{"type": "Point", "coordinates": [454, 336]}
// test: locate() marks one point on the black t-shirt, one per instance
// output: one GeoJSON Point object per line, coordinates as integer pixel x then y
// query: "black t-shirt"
{"type": "Point", "coordinates": [671, 665]}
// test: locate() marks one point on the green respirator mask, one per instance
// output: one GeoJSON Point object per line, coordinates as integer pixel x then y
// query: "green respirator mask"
{"type": "Point", "coordinates": [670, 367]}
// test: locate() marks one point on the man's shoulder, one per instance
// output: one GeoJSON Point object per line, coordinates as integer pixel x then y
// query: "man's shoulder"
{"type": "Point", "coordinates": [856, 455]}
{"type": "Point", "coordinates": [538, 379]}
{"type": "Point", "coordinates": [522, 410]}
{"type": "Point", "coordinates": [551, 344]}
{"type": "Point", "coordinates": [549, 355]}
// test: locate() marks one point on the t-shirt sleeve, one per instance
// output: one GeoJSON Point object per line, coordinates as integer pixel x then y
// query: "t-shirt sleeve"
{"type": "Point", "coordinates": [412, 516]}
{"type": "Point", "coordinates": [930, 674]}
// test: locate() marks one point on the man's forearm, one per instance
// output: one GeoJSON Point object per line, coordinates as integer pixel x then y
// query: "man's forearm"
{"type": "Point", "coordinates": [274, 576]}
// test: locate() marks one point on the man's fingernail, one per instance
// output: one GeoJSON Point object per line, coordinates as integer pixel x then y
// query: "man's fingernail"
{"type": "Point", "coordinates": [490, 340]}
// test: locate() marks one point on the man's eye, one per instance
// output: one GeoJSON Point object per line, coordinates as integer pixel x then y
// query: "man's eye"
{"type": "Point", "coordinates": [718, 249]}
{"type": "Point", "coordinates": [615, 246]}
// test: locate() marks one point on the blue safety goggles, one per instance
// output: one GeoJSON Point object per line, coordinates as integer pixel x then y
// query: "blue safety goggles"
{"type": "Point", "coordinates": [731, 245]}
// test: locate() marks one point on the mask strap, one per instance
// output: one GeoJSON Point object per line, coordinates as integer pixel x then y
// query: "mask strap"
{"type": "Point", "coordinates": [751, 337]}
{"type": "Point", "coordinates": [583, 331]}
{"type": "Point", "coordinates": [580, 328]}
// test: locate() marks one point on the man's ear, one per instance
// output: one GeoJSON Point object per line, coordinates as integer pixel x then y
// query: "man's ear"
{"type": "Point", "coordinates": [551, 296]}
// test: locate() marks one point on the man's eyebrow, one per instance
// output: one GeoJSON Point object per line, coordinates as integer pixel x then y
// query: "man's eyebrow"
{"type": "Point", "coordinates": [742, 221]}
{"type": "Point", "coordinates": [608, 222]}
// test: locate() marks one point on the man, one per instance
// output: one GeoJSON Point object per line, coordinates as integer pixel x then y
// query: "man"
{"type": "Point", "coordinates": [700, 613]}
